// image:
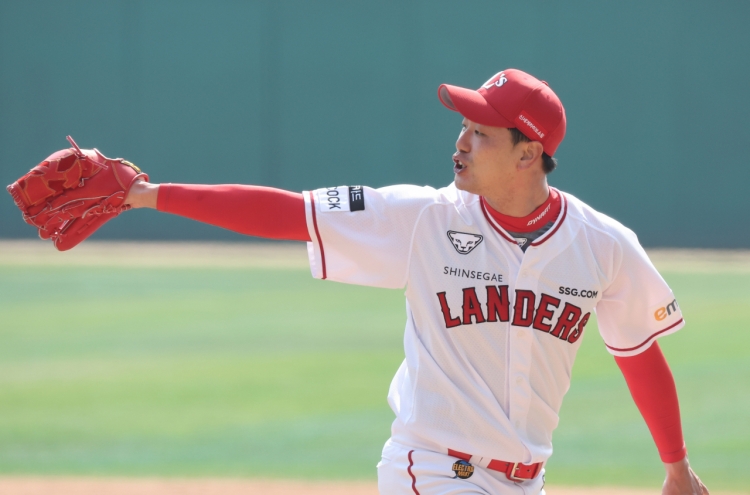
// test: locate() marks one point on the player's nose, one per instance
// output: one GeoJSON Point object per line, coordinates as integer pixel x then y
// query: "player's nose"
{"type": "Point", "coordinates": [463, 143]}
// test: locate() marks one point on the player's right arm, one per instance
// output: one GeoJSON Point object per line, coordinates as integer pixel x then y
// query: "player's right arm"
{"type": "Point", "coordinates": [250, 210]}
{"type": "Point", "coordinates": [653, 389]}
{"type": "Point", "coordinates": [636, 309]}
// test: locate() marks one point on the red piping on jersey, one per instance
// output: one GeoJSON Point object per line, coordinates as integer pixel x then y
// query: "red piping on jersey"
{"type": "Point", "coordinates": [317, 234]}
{"type": "Point", "coordinates": [492, 223]}
{"type": "Point", "coordinates": [413, 478]}
{"type": "Point", "coordinates": [647, 340]}
{"type": "Point", "coordinates": [552, 232]}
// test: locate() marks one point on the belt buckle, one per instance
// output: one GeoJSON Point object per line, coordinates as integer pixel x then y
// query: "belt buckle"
{"type": "Point", "coordinates": [512, 475]}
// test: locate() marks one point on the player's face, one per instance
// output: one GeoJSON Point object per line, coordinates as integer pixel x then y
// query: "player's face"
{"type": "Point", "coordinates": [485, 158]}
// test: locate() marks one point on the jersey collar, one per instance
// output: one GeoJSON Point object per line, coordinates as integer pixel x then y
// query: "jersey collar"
{"type": "Point", "coordinates": [541, 240]}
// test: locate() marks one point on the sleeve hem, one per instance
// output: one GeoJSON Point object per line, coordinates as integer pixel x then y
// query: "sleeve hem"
{"type": "Point", "coordinates": [677, 456]}
{"type": "Point", "coordinates": [643, 346]}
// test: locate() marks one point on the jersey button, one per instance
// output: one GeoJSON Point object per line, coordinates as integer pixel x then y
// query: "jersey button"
{"type": "Point", "coordinates": [519, 380]}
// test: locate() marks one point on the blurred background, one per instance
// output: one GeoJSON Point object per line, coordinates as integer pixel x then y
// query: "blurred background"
{"type": "Point", "coordinates": [301, 95]}
{"type": "Point", "coordinates": [184, 359]}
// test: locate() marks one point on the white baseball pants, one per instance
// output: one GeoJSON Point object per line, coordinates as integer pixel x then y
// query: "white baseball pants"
{"type": "Point", "coordinates": [404, 470]}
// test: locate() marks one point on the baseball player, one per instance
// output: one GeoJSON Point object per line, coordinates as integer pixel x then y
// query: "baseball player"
{"type": "Point", "coordinates": [502, 273]}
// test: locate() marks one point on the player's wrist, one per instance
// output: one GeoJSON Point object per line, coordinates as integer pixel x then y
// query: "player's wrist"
{"type": "Point", "coordinates": [677, 468]}
{"type": "Point", "coordinates": [142, 194]}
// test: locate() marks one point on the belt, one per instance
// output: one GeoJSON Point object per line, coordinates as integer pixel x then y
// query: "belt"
{"type": "Point", "coordinates": [514, 471]}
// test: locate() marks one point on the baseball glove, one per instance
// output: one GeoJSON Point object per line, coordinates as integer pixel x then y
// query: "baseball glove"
{"type": "Point", "coordinates": [73, 192]}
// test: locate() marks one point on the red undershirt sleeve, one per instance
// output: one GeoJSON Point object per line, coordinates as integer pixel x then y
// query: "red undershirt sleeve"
{"type": "Point", "coordinates": [250, 210]}
{"type": "Point", "coordinates": [652, 386]}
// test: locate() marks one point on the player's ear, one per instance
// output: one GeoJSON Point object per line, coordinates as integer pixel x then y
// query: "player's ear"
{"type": "Point", "coordinates": [532, 151]}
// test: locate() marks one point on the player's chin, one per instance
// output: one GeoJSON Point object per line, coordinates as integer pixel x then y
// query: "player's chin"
{"type": "Point", "coordinates": [462, 181]}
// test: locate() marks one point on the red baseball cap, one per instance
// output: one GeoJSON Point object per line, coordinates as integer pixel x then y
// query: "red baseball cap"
{"type": "Point", "coordinates": [512, 98]}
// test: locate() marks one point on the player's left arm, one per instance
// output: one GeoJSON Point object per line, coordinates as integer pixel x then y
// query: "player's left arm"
{"type": "Point", "coordinates": [653, 389]}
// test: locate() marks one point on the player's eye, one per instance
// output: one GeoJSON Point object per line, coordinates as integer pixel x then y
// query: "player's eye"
{"type": "Point", "coordinates": [478, 133]}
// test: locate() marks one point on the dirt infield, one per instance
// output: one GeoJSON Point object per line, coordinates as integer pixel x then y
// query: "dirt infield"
{"type": "Point", "coordinates": [130, 486]}
{"type": "Point", "coordinates": [281, 255]}
{"type": "Point", "coordinates": [157, 254]}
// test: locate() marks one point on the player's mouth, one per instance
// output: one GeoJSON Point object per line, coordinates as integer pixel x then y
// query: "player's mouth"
{"type": "Point", "coordinates": [458, 166]}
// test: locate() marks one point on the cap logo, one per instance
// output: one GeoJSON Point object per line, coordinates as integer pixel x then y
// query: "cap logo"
{"type": "Point", "coordinates": [537, 130]}
{"type": "Point", "coordinates": [500, 81]}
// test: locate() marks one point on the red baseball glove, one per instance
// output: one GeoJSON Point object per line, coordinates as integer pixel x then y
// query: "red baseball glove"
{"type": "Point", "coordinates": [73, 192]}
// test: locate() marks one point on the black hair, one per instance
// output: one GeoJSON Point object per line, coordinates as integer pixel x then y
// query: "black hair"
{"type": "Point", "coordinates": [548, 163]}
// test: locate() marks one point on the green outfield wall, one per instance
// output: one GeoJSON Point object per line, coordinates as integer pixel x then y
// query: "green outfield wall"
{"type": "Point", "coordinates": [304, 94]}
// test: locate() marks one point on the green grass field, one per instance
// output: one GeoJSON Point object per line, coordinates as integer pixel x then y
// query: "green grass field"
{"type": "Point", "coordinates": [255, 372]}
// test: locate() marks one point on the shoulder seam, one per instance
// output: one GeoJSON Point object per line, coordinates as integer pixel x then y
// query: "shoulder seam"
{"type": "Point", "coordinates": [608, 234]}
{"type": "Point", "coordinates": [588, 224]}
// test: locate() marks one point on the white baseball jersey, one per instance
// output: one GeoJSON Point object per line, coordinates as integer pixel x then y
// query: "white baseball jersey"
{"type": "Point", "coordinates": [491, 331]}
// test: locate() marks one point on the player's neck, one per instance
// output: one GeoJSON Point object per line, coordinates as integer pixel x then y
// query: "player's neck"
{"type": "Point", "coordinates": [519, 201]}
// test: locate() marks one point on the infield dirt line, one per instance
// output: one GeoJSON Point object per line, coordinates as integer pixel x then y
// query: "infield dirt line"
{"type": "Point", "coordinates": [280, 255]}
{"type": "Point", "coordinates": [154, 486]}
{"type": "Point", "coordinates": [283, 255]}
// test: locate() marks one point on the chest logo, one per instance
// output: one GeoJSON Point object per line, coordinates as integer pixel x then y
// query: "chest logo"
{"type": "Point", "coordinates": [463, 242]}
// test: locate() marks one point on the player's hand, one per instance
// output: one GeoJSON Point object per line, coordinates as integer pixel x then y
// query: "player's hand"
{"type": "Point", "coordinates": [73, 192]}
{"type": "Point", "coordinates": [682, 480]}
